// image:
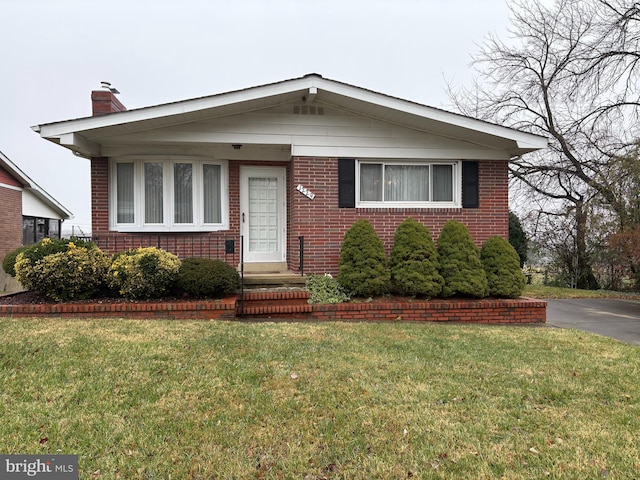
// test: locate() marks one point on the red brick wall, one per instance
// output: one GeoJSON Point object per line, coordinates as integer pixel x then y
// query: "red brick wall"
{"type": "Point", "coordinates": [99, 196]}
{"type": "Point", "coordinates": [10, 219]}
{"type": "Point", "coordinates": [7, 179]}
{"type": "Point", "coordinates": [323, 224]}
{"type": "Point", "coordinates": [320, 221]}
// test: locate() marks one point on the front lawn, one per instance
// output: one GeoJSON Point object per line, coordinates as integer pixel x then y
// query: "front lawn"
{"type": "Point", "coordinates": [201, 400]}
{"type": "Point", "coordinates": [541, 291]}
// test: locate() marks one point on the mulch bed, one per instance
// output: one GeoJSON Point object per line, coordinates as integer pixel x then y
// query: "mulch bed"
{"type": "Point", "coordinates": [32, 298]}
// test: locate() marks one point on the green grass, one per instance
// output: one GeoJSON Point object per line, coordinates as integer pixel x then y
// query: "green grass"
{"type": "Point", "coordinates": [202, 400]}
{"type": "Point", "coordinates": [540, 291]}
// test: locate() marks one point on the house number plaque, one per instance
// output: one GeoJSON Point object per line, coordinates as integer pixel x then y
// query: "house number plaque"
{"type": "Point", "coordinates": [306, 192]}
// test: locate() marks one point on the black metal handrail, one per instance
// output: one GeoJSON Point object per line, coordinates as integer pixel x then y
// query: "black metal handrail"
{"type": "Point", "coordinates": [216, 246]}
{"type": "Point", "coordinates": [301, 240]}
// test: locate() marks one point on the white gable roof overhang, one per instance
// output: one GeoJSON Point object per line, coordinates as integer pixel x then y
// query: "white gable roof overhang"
{"type": "Point", "coordinates": [47, 202]}
{"type": "Point", "coordinates": [89, 136]}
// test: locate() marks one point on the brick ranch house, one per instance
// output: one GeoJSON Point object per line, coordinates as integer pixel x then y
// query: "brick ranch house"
{"type": "Point", "coordinates": [285, 167]}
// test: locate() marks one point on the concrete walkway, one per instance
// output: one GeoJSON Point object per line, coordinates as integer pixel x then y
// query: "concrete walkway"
{"type": "Point", "coordinates": [613, 318]}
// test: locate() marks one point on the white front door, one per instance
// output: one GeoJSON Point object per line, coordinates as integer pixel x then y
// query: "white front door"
{"type": "Point", "coordinates": [263, 214]}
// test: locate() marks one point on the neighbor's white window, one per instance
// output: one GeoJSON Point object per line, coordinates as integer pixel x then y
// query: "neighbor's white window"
{"type": "Point", "coordinates": [387, 184]}
{"type": "Point", "coordinates": [169, 194]}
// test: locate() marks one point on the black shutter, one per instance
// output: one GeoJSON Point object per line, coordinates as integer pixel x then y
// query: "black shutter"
{"type": "Point", "coordinates": [470, 185]}
{"type": "Point", "coordinates": [346, 183]}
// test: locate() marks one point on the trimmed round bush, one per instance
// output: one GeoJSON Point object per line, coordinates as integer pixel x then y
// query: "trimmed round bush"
{"type": "Point", "coordinates": [363, 267]}
{"type": "Point", "coordinates": [502, 266]}
{"type": "Point", "coordinates": [9, 260]}
{"type": "Point", "coordinates": [204, 277]}
{"type": "Point", "coordinates": [414, 261]}
{"type": "Point", "coordinates": [325, 289]}
{"type": "Point", "coordinates": [145, 272]}
{"type": "Point", "coordinates": [48, 246]}
{"type": "Point", "coordinates": [38, 251]}
{"type": "Point", "coordinates": [74, 274]}
{"type": "Point", "coordinates": [460, 264]}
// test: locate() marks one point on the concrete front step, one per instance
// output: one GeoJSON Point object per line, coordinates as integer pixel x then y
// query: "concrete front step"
{"type": "Point", "coordinates": [270, 280]}
{"type": "Point", "coordinates": [265, 267]}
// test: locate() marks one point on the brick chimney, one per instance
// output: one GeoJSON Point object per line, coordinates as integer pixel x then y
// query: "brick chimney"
{"type": "Point", "coordinates": [105, 101]}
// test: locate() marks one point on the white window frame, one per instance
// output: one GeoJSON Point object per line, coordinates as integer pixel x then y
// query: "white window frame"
{"type": "Point", "coordinates": [456, 179]}
{"type": "Point", "coordinates": [168, 224]}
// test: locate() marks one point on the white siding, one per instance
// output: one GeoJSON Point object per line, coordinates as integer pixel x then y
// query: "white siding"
{"type": "Point", "coordinates": [32, 206]}
{"type": "Point", "coordinates": [332, 133]}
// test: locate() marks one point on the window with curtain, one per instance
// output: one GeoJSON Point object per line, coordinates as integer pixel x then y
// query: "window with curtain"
{"type": "Point", "coordinates": [211, 176]}
{"type": "Point", "coordinates": [125, 182]}
{"type": "Point", "coordinates": [442, 183]}
{"type": "Point", "coordinates": [426, 184]}
{"type": "Point", "coordinates": [183, 192]}
{"type": "Point", "coordinates": [370, 182]}
{"type": "Point", "coordinates": [169, 194]}
{"type": "Point", "coordinates": [406, 183]}
{"type": "Point", "coordinates": [153, 193]}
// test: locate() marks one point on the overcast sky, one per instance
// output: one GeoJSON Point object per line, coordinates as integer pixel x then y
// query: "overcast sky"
{"type": "Point", "coordinates": [54, 52]}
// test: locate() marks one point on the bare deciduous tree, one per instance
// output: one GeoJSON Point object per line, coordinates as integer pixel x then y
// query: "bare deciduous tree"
{"type": "Point", "coordinates": [569, 72]}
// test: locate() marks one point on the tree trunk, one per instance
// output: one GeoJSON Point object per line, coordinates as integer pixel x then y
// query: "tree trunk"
{"type": "Point", "coordinates": [585, 279]}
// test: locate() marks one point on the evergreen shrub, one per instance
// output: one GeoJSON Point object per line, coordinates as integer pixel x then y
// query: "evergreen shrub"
{"type": "Point", "coordinates": [9, 260]}
{"type": "Point", "coordinates": [145, 272]}
{"type": "Point", "coordinates": [74, 274]}
{"type": "Point", "coordinates": [38, 251]}
{"type": "Point", "coordinates": [363, 267]}
{"type": "Point", "coordinates": [204, 277]}
{"type": "Point", "coordinates": [460, 264]}
{"type": "Point", "coordinates": [502, 266]}
{"type": "Point", "coordinates": [414, 261]}
{"type": "Point", "coordinates": [325, 289]}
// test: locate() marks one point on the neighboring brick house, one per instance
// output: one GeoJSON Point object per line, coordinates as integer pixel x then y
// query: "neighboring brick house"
{"type": "Point", "coordinates": [286, 166]}
{"type": "Point", "coordinates": [28, 213]}
{"type": "Point", "coordinates": [11, 211]}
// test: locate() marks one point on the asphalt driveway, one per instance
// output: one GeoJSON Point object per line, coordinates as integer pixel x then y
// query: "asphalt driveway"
{"type": "Point", "coordinates": [609, 317]}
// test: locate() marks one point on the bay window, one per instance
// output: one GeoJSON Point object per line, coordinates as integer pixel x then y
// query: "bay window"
{"type": "Point", "coordinates": [168, 194]}
{"type": "Point", "coordinates": [433, 184]}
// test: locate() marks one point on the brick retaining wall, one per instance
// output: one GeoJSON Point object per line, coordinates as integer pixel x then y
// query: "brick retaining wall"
{"type": "Point", "coordinates": [490, 311]}
{"type": "Point", "coordinates": [522, 310]}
